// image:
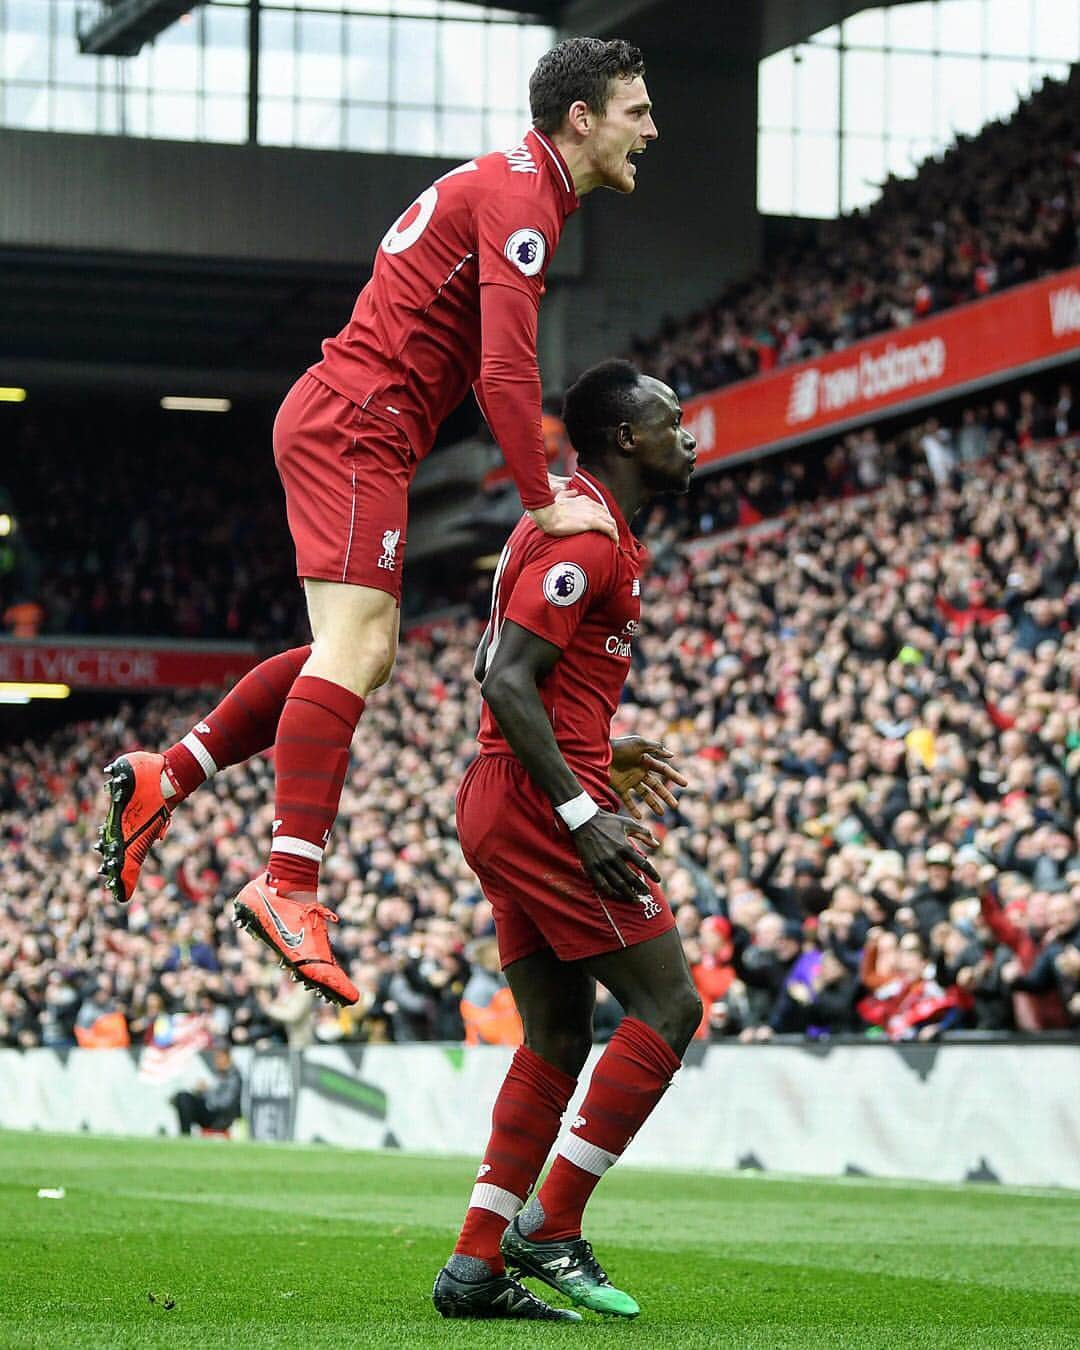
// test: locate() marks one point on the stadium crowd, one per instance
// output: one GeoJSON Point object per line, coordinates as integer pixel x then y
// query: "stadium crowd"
{"type": "Point", "coordinates": [873, 684]}
{"type": "Point", "coordinates": [994, 210]}
{"type": "Point", "coordinates": [212, 558]}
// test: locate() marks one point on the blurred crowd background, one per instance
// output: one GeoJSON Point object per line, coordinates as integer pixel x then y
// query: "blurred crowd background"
{"type": "Point", "coordinates": [995, 210]}
{"type": "Point", "coordinates": [106, 552]}
{"type": "Point", "coordinates": [875, 692]}
{"type": "Point", "coordinates": [863, 653]}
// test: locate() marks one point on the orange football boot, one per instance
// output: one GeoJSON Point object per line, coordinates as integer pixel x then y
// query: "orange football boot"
{"type": "Point", "coordinates": [294, 928]}
{"type": "Point", "coordinates": [138, 817]}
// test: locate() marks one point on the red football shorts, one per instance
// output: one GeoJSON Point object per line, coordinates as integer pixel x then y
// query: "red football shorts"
{"type": "Point", "coordinates": [530, 872]}
{"type": "Point", "coordinates": [346, 474]}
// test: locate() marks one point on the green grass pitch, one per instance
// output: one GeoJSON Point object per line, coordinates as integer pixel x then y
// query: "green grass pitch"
{"type": "Point", "coordinates": [266, 1246]}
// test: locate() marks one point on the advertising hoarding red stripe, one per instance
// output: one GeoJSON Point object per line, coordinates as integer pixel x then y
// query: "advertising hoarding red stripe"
{"type": "Point", "coordinates": [1023, 327]}
{"type": "Point", "coordinates": [112, 664]}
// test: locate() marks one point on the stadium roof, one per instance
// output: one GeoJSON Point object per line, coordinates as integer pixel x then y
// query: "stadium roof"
{"type": "Point", "coordinates": [750, 26]}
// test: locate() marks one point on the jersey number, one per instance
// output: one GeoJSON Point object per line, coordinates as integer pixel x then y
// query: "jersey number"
{"type": "Point", "coordinates": [408, 229]}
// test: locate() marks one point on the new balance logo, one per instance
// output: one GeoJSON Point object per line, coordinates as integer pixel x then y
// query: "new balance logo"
{"type": "Point", "coordinates": [202, 729]}
{"type": "Point", "coordinates": [511, 1300]}
{"type": "Point", "coordinates": [290, 939]}
{"type": "Point", "coordinates": [275, 827]}
{"type": "Point", "coordinates": [579, 1121]}
{"type": "Point", "coordinates": [803, 399]}
{"type": "Point", "coordinates": [390, 539]}
{"type": "Point", "coordinates": [485, 1168]}
{"type": "Point", "coordinates": [559, 1263]}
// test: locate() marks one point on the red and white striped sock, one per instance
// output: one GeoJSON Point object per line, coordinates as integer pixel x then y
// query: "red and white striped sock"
{"type": "Point", "coordinates": [243, 724]}
{"type": "Point", "coordinates": [524, 1124]}
{"type": "Point", "coordinates": [629, 1079]}
{"type": "Point", "coordinates": [311, 758]}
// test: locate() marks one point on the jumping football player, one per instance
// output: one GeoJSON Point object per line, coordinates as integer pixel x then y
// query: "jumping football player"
{"type": "Point", "coordinates": [452, 302]}
{"type": "Point", "coordinates": [574, 900]}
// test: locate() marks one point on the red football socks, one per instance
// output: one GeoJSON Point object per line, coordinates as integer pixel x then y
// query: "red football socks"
{"type": "Point", "coordinates": [311, 758]}
{"type": "Point", "coordinates": [242, 724]}
{"type": "Point", "coordinates": [629, 1079]}
{"type": "Point", "coordinates": [524, 1124]}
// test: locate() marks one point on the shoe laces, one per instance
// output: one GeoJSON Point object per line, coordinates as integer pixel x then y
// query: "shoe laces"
{"type": "Point", "coordinates": [321, 910]}
{"type": "Point", "coordinates": [523, 1292]}
{"type": "Point", "coordinates": [588, 1262]}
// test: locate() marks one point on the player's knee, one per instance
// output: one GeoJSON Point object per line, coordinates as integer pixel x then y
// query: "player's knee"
{"type": "Point", "coordinates": [680, 1017]}
{"type": "Point", "coordinates": [375, 660]}
{"type": "Point", "coordinates": [360, 662]}
{"type": "Point", "coordinates": [565, 1048]}
{"type": "Point", "coordinates": [385, 671]}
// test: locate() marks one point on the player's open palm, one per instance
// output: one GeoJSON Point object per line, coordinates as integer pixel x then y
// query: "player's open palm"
{"type": "Point", "coordinates": [611, 861]}
{"type": "Point", "coordinates": [575, 513]}
{"type": "Point", "coordinates": [642, 769]}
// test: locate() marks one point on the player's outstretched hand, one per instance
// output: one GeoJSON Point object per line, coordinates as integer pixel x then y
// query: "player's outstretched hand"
{"type": "Point", "coordinates": [640, 767]}
{"type": "Point", "coordinates": [611, 862]}
{"type": "Point", "coordinates": [574, 513]}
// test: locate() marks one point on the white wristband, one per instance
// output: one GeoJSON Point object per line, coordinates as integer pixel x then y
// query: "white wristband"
{"type": "Point", "coordinates": [577, 810]}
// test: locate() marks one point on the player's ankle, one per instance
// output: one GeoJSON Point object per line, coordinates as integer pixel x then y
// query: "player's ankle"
{"type": "Point", "coordinates": [289, 876]}
{"type": "Point", "coordinates": [471, 1268]}
{"type": "Point", "coordinates": [291, 890]}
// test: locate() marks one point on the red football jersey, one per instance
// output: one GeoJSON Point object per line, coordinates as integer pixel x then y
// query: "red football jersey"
{"type": "Point", "coordinates": [583, 594]}
{"type": "Point", "coordinates": [414, 344]}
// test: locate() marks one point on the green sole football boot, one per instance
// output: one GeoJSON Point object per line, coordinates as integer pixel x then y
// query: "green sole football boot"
{"type": "Point", "coordinates": [500, 1296]}
{"type": "Point", "coordinates": [570, 1268]}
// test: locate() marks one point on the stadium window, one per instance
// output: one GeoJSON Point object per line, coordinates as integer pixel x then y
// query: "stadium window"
{"type": "Point", "coordinates": [318, 123]}
{"type": "Point", "coordinates": [414, 63]}
{"type": "Point", "coordinates": [1055, 29]}
{"type": "Point", "coordinates": [817, 86]}
{"type": "Point", "coordinates": [960, 27]}
{"type": "Point", "coordinates": [367, 127]}
{"type": "Point", "coordinates": [367, 63]}
{"type": "Point", "coordinates": [909, 80]}
{"type": "Point", "coordinates": [959, 102]}
{"type": "Point", "coordinates": [866, 29]}
{"type": "Point", "coordinates": [776, 172]}
{"type": "Point", "coordinates": [816, 173]}
{"type": "Point", "coordinates": [864, 92]}
{"type": "Point", "coordinates": [881, 92]}
{"type": "Point", "coordinates": [431, 77]}
{"type": "Point", "coordinates": [910, 27]}
{"type": "Point", "coordinates": [414, 132]}
{"type": "Point", "coordinates": [863, 168]}
{"type": "Point", "coordinates": [1008, 28]}
{"type": "Point", "coordinates": [320, 65]}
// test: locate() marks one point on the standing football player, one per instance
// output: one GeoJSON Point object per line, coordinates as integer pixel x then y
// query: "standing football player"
{"type": "Point", "coordinates": [452, 302]}
{"type": "Point", "coordinates": [574, 900]}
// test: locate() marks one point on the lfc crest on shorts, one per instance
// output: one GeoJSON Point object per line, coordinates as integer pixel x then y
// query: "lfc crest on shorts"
{"type": "Point", "coordinates": [388, 561]}
{"type": "Point", "coordinates": [649, 907]}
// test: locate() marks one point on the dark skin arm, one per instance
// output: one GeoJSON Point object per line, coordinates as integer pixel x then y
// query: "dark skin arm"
{"type": "Point", "coordinates": [521, 661]}
{"type": "Point", "coordinates": [639, 767]}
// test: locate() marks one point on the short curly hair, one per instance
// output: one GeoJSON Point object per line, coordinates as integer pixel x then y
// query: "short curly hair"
{"type": "Point", "coordinates": [600, 400]}
{"type": "Point", "coordinates": [579, 68]}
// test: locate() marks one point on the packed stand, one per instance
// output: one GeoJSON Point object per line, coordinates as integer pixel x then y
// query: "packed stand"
{"type": "Point", "coordinates": [995, 210]}
{"type": "Point", "coordinates": [157, 526]}
{"type": "Point", "coordinates": [875, 691]}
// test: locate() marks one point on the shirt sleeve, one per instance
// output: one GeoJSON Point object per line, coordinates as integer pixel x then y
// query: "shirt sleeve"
{"type": "Point", "coordinates": [508, 389]}
{"type": "Point", "coordinates": [515, 239]}
{"type": "Point", "coordinates": [560, 584]}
